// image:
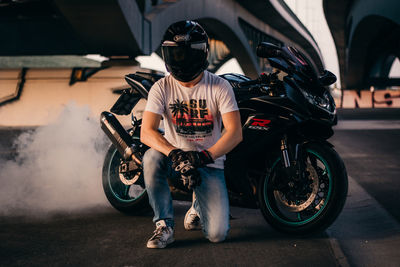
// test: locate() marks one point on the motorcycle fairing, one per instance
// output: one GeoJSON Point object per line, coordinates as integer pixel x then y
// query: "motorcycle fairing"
{"type": "Point", "coordinates": [235, 79]}
{"type": "Point", "coordinates": [126, 102]}
{"type": "Point", "coordinates": [279, 64]}
{"type": "Point", "coordinates": [140, 83]}
{"type": "Point", "coordinates": [295, 96]}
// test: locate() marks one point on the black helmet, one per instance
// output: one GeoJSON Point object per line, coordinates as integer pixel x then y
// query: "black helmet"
{"type": "Point", "coordinates": [185, 50]}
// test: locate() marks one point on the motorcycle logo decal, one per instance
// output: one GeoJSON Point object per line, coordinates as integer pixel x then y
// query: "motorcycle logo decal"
{"type": "Point", "coordinates": [192, 119]}
{"type": "Point", "coordinates": [260, 124]}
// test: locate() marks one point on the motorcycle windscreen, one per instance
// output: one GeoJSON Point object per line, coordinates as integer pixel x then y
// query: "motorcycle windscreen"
{"type": "Point", "coordinates": [301, 63]}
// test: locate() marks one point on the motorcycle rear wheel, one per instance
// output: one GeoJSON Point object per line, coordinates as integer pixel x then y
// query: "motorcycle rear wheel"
{"type": "Point", "coordinates": [319, 208]}
{"type": "Point", "coordinates": [128, 199]}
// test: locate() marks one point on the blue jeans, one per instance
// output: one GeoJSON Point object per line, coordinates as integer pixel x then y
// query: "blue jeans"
{"type": "Point", "coordinates": [211, 201]}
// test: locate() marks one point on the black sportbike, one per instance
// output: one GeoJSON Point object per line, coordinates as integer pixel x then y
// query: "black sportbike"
{"type": "Point", "coordinates": [285, 166]}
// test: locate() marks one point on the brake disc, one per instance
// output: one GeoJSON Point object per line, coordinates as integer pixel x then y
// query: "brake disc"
{"type": "Point", "coordinates": [297, 207]}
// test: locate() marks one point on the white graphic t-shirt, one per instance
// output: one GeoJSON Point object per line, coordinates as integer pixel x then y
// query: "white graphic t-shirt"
{"type": "Point", "coordinates": [192, 116]}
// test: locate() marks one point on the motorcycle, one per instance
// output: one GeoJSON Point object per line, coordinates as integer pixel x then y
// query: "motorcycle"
{"type": "Point", "coordinates": [284, 166]}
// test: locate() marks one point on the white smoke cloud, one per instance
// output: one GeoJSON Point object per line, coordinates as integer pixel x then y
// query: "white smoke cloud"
{"type": "Point", "coordinates": [57, 168]}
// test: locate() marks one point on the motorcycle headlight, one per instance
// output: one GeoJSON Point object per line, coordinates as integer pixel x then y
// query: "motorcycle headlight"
{"type": "Point", "coordinates": [330, 102]}
{"type": "Point", "coordinates": [323, 102]}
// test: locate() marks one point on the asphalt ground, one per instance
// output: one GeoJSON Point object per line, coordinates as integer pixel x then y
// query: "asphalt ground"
{"type": "Point", "coordinates": [369, 142]}
{"type": "Point", "coordinates": [368, 230]}
{"type": "Point", "coordinates": [372, 157]}
{"type": "Point", "coordinates": [104, 237]}
{"type": "Point", "coordinates": [367, 233]}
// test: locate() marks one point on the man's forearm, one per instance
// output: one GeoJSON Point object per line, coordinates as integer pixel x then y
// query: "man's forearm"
{"type": "Point", "coordinates": [155, 140]}
{"type": "Point", "coordinates": [226, 143]}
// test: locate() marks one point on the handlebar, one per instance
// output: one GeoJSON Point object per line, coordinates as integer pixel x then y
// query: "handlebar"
{"type": "Point", "coordinates": [247, 83]}
{"type": "Point", "coordinates": [263, 79]}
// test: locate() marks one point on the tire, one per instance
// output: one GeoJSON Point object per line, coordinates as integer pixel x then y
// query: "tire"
{"type": "Point", "coordinates": [327, 197]}
{"type": "Point", "coordinates": [130, 200]}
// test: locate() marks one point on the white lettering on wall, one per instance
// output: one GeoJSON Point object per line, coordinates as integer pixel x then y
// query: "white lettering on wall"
{"type": "Point", "coordinates": [368, 99]}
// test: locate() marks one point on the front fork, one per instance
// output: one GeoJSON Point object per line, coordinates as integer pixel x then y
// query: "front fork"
{"type": "Point", "coordinates": [285, 153]}
{"type": "Point", "coordinates": [290, 161]}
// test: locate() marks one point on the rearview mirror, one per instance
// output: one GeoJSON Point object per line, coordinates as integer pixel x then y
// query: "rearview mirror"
{"type": "Point", "coordinates": [327, 78]}
{"type": "Point", "coordinates": [267, 50]}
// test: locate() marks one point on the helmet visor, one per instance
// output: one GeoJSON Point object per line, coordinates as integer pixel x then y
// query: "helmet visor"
{"type": "Point", "coordinates": [184, 56]}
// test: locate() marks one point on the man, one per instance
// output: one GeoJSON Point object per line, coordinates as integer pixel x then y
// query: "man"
{"type": "Point", "coordinates": [192, 102]}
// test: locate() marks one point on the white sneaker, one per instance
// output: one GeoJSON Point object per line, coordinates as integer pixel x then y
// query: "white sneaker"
{"type": "Point", "coordinates": [163, 235]}
{"type": "Point", "coordinates": [192, 220]}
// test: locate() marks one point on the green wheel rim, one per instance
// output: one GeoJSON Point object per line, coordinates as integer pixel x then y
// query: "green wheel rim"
{"type": "Point", "coordinates": [116, 194]}
{"type": "Point", "coordinates": [302, 222]}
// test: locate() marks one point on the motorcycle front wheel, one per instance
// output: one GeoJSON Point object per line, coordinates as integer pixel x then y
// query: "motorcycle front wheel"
{"type": "Point", "coordinates": [308, 205]}
{"type": "Point", "coordinates": [126, 194]}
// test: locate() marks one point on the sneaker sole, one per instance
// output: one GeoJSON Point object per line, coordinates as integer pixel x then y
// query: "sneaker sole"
{"type": "Point", "coordinates": [162, 245]}
{"type": "Point", "coordinates": [187, 227]}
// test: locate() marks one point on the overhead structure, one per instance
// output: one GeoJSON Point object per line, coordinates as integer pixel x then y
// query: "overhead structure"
{"type": "Point", "coordinates": [367, 39]}
{"type": "Point", "coordinates": [128, 28]}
